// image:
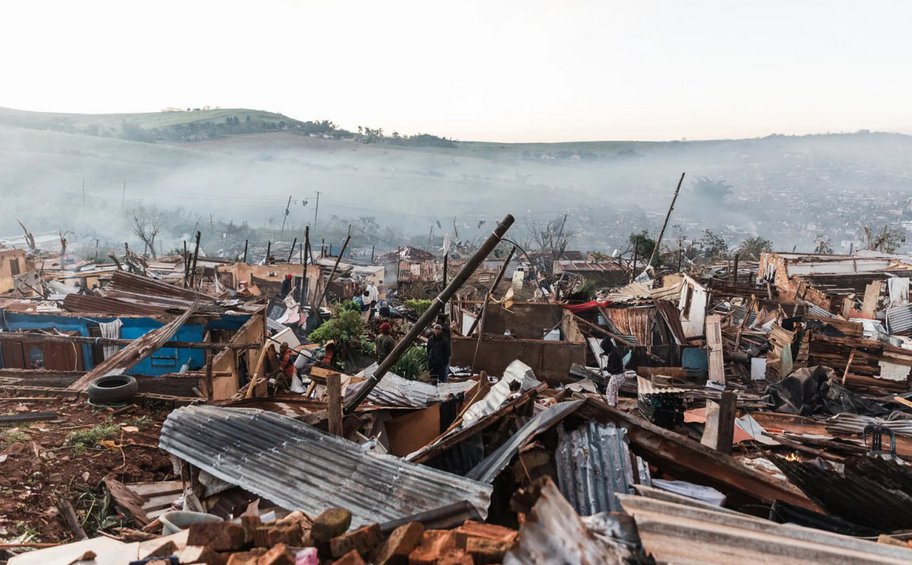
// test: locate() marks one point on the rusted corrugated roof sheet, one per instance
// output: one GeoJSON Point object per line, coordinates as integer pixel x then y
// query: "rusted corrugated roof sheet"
{"type": "Point", "coordinates": [677, 533]}
{"type": "Point", "coordinates": [300, 468]}
{"type": "Point", "coordinates": [97, 305]}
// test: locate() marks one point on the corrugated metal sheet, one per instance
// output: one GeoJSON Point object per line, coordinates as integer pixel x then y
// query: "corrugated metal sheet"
{"type": "Point", "coordinates": [899, 319]}
{"type": "Point", "coordinates": [855, 424]}
{"type": "Point", "coordinates": [393, 390]}
{"type": "Point", "coordinates": [96, 305]}
{"type": "Point", "coordinates": [593, 464]}
{"type": "Point", "coordinates": [300, 468]}
{"type": "Point", "coordinates": [493, 464]}
{"type": "Point", "coordinates": [685, 534]}
{"type": "Point", "coordinates": [553, 534]}
{"type": "Point", "coordinates": [634, 321]}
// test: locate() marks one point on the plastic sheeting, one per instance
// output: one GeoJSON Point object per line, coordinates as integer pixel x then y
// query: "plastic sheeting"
{"type": "Point", "coordinates": [814, 389]}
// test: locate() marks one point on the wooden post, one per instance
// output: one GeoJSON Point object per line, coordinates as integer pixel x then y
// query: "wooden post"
{"type": "Point", "coordinates": [735, 270]}
{"type": "Point", "coordinates": [728, 409]}
{"type": "Point", "coordinates": [291, 253]}
{"type": "Point", "coordinates": [305, 247]}
{"type": "Point", "coordinates": [845, 373]}
{"type": "Point", "coordinates": [210, 393]}
{"type": "Point", "coordinates": [446, 262]}
{"type": "Point", "coordinates": [268, 251]}
{"type": "Point", "coordinates": [246, 241]}
{"type": "Point", "coordinates": [186, 263]}
{"type": "Point", "coordinates": [258, 370]}
{"type": "Point", "coordinates": [492, 288]}
{"type": "Point", "coordinates": [372, 253]}
{"type": "Point", "coordinates": [636, 248]}
{"type": "Point", "coordinates": [714, 348]}
{"type": "Point", "coordinates": [332, 274]}
{"type": "Point", "coordinates": [334, 403]}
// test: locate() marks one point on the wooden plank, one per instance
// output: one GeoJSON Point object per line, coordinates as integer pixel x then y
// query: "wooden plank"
{"type": "Point", "coordinates": [127, 500]}
{"type": "Point", "coordinates": [28, 417]}
{"type": "Point", "coordinates": [714, 346]}
{"type": "Point", "coordinates": [334, 403]}
{"type": "Point", "coordinates": [726, 428]}
{"type": "Point", "coordinates": [871, 297]}
{"type": "Point", "coordinates": [157, 488]}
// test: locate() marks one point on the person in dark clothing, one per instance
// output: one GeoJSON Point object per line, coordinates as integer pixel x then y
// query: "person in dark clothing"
{"type": "Point", "coordinates": [438, 354]}
{"type": "Point", "coordinates": [615, 362]}
{"type": "Point", "coordinates": [286, 286]}
{"type": "Point", "coordinates": [385, 342]}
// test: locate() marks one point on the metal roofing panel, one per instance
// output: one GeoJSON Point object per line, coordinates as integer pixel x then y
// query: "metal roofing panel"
{"type": "Point", "coordinates": [488, 469]}
{"type": "Point", "coordinates": [899, 318]}
{"type": "Point", "coordinates": [676, 533]}
{"type": "Point", "coordinates": [300, 468]}
{"type": "Point", "coordinates": [593, 464]}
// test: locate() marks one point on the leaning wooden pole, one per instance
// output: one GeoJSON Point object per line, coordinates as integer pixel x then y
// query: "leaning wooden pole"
{"type": "Point", "coordinates": [664, 225]}
{"type": "Point", "coordinates": [332, 273]}
{"type": "Point", "coordinates": [196, 251]}
{"type": "Point", "coordinates": [492, 288]}
{"type": "Point", "coordinates": [431, 313]}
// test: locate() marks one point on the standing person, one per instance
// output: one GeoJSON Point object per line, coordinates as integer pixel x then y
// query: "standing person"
{"type": "Point", "coordinates": [385, 342]}
{"type": "Point", "coordinates": [286, 286]}
{"type": "Point", "coordinates": [614, 366]}
{"type": "Point", "coordinates": [438, 354]}
{"type": "Point", "coordinates": [371, 298]}
{"type": "Point", "coordinates": [287, 357]}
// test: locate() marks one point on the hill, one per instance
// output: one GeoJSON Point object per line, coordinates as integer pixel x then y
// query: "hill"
{"type": "Point", "coordinates": [201, 166]}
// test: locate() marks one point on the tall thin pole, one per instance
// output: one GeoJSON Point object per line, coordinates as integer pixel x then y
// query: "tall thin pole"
{"type": "Point", "coordinates": [492, 288]}
{"type": "Point", "coordinates": [291, 253]}
{"type": "Point", "coordinates": [332, 273]}
{"type": "Point", "coordinates": [305, 247]}
{"type": "Point", "coordinates": [123, 195]}
{"type": "Point", "coordinates": [431, 313]}
{"type": "Point", "coordinates": [667, 217]}
{"type": "Point", "coordinates": [316, 210]}
{"type": "Point", "coordinates": [246, 241]}
{"type": "Point", "coordinates": [196, 251]}
{"type": "Point", "coordinates": [285, 217]}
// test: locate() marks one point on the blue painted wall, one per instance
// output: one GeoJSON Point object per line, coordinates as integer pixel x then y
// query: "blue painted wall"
{"type": "Point", "coordinates": [163, 361]}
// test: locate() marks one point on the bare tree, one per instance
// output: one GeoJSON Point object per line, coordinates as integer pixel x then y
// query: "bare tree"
{"type": "Point", "coordinates": [552, 238]}
{"type": "Point", "coordinates": [145, 223]}
{"type": "Point", "coordinates": [887, 241]}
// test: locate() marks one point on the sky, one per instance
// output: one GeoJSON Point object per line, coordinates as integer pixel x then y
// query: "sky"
{"type": "Point", "coordinates": [507, 70]}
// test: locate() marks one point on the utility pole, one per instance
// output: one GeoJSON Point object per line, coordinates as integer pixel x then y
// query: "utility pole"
{"type": "Point", "coordinates": [664, 225]}
{"type": "Point", "coordinates": [285, 217]}
{"type": "Point", "coordinates": [316, 210]}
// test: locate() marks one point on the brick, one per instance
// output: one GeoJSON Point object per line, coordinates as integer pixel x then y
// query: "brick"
{"type": "Point", "coordinates": [199, 554]}
{"type": "Point", "coordinates": [401, 542]}
{"type": "Point", "coordinates": [278, 555]}
{"type": "Point", "coordinates": [217, 536]}
{"type": "Point", "coordinates": [472, 529]}
{"type": "Point", "coordinates": [162, 550]}
{"type": "Point", "coordinates": [363, 540]}
{"type": "Point", "coordinates": [331, 523]}
{"type": "Point", "coordinates": [250, 523]}
{"type": "Point", "coordinates": [268, 536]}
{"type": "Point", "coordinates": [434, 544]}
{"type": "Point", "coordinates": [296, 517]}
{"type": "Point", "coordinates": [246, 557]}
{"type": "Point", "coordinates": [350, 558]}
{"type": "Point", "coordinates": [485, 551]}
{"type": "Point", "coordinates": [456, 557]}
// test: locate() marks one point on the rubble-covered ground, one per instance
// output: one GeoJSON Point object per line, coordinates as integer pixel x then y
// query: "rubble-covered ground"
{"type": "Point", "coordinates": [67, 458]}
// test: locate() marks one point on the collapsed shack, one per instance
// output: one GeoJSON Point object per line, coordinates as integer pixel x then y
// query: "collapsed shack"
{"type": "Point", "coordinates": [763, 419]}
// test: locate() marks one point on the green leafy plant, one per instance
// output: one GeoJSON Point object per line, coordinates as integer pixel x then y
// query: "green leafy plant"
{"type": "Point", "coordinates": [344, 326]}
{"type": "Point", "coordinates": [420, 306]}
{"type": "Point", "coordinates": [413, 364]}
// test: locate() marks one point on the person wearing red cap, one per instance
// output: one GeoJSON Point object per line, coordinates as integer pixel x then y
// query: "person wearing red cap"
{"type": "Point", "coordinates": [385, 342]}
{"type": "Point", "coordinates": [286, 285]}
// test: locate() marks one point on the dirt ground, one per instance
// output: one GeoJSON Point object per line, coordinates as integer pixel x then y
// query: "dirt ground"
{"type": "Point", "coordinates": [66, 459]}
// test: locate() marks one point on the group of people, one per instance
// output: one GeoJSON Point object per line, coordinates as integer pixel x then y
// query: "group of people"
{"type": "Point", "coordinates": [438, 350]}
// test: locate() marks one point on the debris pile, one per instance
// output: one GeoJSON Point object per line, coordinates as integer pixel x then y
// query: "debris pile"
{"type": "Point", "coordinates": [759, 413]}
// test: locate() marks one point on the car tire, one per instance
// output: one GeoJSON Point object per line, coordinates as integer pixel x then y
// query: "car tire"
{"type": "Point", "coordinates": [112, 389]}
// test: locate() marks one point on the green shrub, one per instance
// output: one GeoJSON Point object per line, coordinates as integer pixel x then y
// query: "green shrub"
{"type": "Point", "coordinates": [413, 363]}
{"type": "Point", "coordinates": [343, 327]}
{"type": "Point", "coordinates": [420, 306]}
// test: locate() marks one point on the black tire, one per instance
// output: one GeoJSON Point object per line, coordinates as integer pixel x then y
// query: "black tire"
{"type": "Point", "coordinates": [112, 389]}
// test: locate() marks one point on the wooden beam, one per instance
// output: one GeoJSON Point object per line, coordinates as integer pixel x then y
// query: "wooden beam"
{"type": "Point", "coordinates": [726, 430]}
{"type": "Point", "coordinates": [714, 348]}
{"type": "Point", "coordinates": [334, 403]}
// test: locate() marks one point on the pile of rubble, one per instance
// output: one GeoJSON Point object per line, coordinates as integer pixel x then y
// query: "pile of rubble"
{"type": "Point", "coordinates": [760, 413]}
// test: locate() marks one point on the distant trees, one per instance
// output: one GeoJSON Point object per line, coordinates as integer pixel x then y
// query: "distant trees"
{"type": "Point", "coordinates": [714, 246]}
{"type": "Point", "coordinates": [145, 223]}
{"type": "Point", "coordinates": [887, 240]}
{"type": "Point", "coordinates": [642, 246]}
{"type": "Point", "coordinates": [752, 247]}
{"type": "Point", "coordinates": [710, 190]}
{"type": "Point", "coordinates": [552, 237]}
{"type": "Point", "coordinates": [822, 244]}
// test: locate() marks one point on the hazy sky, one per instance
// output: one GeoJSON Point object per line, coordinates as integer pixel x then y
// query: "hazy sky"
{"type": "Point", "coordinates": [525, 70]}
